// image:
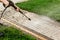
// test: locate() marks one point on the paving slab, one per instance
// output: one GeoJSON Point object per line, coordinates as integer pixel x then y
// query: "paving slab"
{"type": "Point", "coordinates": [40, 24]}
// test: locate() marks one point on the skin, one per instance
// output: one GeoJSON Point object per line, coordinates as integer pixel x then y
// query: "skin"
{"type": "Point", "coordinates": [7, 3]}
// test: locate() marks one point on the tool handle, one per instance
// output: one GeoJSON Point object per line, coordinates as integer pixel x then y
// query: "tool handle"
{"type": "Point", "coordinates": [3, 12]}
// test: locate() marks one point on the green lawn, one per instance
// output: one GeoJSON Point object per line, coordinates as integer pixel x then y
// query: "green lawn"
{"type": "Point", "coordinates": [11, 33]}
{"type": "Point", "coordinates": [49, 8]}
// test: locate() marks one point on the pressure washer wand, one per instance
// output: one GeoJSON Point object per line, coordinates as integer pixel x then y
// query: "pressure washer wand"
{"type": "Point", "coordinates": [24, 15]}
{"type": "Point", "coordinates": [3, 12]}
{"type": "Point", "coordinates": [19, 11]}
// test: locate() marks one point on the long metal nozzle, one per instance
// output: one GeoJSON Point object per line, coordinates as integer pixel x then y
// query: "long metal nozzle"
{"type": "Point", "coordinates": [24, 15]}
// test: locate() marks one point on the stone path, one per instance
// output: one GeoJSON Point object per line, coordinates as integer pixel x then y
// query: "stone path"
{"type": "Point", "coordinates": [41, 24]}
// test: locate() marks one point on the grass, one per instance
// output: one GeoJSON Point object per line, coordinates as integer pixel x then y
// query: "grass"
{"type": "Point", "coordinates": [50, 8]}
{"type": "Point", "coordinates": [11, 33]}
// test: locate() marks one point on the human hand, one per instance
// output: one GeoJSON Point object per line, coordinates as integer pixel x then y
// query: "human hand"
{"type": "Point", "coordinates": [5, 2]}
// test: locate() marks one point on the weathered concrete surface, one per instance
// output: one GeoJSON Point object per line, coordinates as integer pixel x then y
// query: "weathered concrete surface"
{"type": "Point", "coordinates": [40, 24]}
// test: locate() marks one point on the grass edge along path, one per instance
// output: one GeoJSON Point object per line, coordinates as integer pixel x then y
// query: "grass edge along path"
{"type": "Point", "coordinates": [11, 33]}
{"type": "Point", "coordinates": [50, 8]}
{"type": "Point", "coordinates": [23, 29]}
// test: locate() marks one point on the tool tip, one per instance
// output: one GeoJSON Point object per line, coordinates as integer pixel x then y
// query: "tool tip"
{"type": "Point", "coordinates": [29, 19]}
